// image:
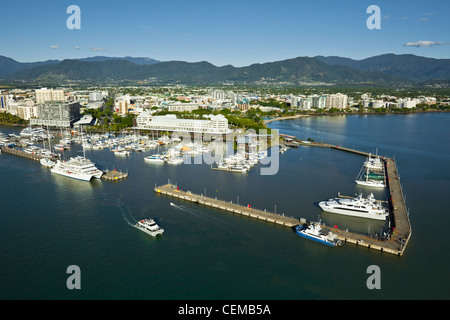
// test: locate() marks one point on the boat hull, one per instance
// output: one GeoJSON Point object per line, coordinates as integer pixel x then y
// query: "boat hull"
{"type": "Point", "coordinates": [152, 233]}
{"type": "Point", "coordinates": [323, 205]}
{"type": "Point", "coordinates": [299, 232]}
{"type": "Point", "coordinates": [77, 176]}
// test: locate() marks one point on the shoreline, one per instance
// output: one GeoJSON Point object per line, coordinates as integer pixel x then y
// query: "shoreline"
{"type": "Point", "coordinates": [305, 115]}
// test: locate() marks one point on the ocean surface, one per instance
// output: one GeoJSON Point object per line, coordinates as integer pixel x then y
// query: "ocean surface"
{"type": "Point", "coordinates": [49, 222]}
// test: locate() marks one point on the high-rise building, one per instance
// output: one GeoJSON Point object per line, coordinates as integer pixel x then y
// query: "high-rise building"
{"type": "Point", "coordinates": [318, 102]}
{"type": "Point", "coordinates": [95, 96]}
{"type": "Point", "coordinates": [44, 95]}
{"type": "Point", "coordinates": [218, 95]}
{"type": "Point", "coordinates": [338, 101]}
{"type": "Point", "coordinates": [57, 114]}
{"type": "Point", "coordinates": [3, 100]}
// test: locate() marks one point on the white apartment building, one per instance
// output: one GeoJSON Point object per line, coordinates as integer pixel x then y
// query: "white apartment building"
{"type": "Point", "coordinates": [338, 101]}
{"type": "Point", "coordinates": [95, 96]}
{"type": "Point", "coordinates": [182, 107]}
{"type": "Point", "coordinates": [27, 112]}
{"type": "Point", "coordinates": [217, 124]}
{"type": "Point", "coordinates": [44, 94]}
{"type": "Point", "coordinates": [407, 103]}
{"type": "Point", "coordinates": [218, 95]}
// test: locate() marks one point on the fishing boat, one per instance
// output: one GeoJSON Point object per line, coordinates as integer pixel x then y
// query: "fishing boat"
{"type": "Point", "coordinates": [356, 207]}
{"type": "Point", "coordinates": [149, 226]}
{"type": "Point", "coordinates": [313, 231]}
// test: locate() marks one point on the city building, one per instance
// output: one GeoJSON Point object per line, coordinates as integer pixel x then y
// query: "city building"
{"type": "Point", "coordinates": [95, 96]}
{"type": "Point", "coordinates": [27, 111]}
{"type": "Point", "coordinates": [57, 114]}
{"type": "Point", "coordinates": [44, 95]}
{"type": "Point", "coordinates": [319, 101]}
{"type": "Point", "coordinates": [3, 100]}
{"type": "Point", "coordinates": [338, 101]}
{"type": "Point", "coordinates": [182, 107]}
{"type": "Point", "coordinates": [216, 124]}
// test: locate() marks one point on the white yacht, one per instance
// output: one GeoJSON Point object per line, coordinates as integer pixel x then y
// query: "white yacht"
{"type": "Point", "coordinates": [149, 226]}
{"type": "Point", "coordinates": [373, 163]}
{"type": "Point", "coordinates": [356, 207]}
{"type": "Point", "coordinates": [154, 158]}
{"type": "Point", "coordinates": [78, 168]}
{"type": "Point", "coordinates": [46, 162]}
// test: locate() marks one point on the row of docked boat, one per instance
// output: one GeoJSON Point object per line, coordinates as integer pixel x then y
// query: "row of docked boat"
{"type": "Point", "coordinates": [240, 162]}
{"type": "Point", "coordinates": [372, 174]}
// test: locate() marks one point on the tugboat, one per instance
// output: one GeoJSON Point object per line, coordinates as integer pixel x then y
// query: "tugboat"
{"type": "Point", "coordinates": [149, 226]}
{"type": "Point", "coordinates": [313, 232]}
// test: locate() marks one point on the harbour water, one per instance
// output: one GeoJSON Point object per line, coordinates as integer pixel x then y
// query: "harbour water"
{"type": "Point", "coordinates": [49, 222]}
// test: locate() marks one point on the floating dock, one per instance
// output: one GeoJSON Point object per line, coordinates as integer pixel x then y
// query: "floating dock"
{"type": "Point", "coordinates": [114, 175]}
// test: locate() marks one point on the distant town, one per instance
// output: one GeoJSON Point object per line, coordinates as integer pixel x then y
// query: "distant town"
{"type": "Point", "coordinates": [173, 108]}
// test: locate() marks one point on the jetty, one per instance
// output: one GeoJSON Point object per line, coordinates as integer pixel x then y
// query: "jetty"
{"type": "Point", "coordinates": [22, 154]}
{"type": "Point", "coordinates": [395, 243]}
{"type": "Point", "coordinates": [175, 192]}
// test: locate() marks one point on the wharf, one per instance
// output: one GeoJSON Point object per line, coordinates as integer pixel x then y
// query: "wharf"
{"type": "Point", "coordinates": [114, 175]}
{"type": "Point", "coordinates": [174, 191]}
{"type": "Point", "coordinates": [399, 234]}
{"type": "Point", "coordinates": [19, 153]}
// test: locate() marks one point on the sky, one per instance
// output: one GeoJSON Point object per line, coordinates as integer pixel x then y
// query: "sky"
{"type": "Point", "coordinates": [221, 32]}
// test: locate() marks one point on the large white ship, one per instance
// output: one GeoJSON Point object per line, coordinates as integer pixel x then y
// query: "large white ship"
{"type": "Point", "coordinates": [356, 207]}
{"type": "Point", "coordinates": [77, 168]}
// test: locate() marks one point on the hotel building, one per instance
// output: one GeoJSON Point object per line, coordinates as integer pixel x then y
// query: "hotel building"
{"type": "Point", "coordinates": [214, 125]}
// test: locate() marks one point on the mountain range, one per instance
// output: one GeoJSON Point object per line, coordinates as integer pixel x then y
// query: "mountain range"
{"type": "Point", "coordinates": [387, 69]}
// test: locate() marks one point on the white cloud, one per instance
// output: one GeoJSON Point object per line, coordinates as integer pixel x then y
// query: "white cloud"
{"type": "Point", "coordinates": [77, 48]}
{"type": "Point", "coordinates": [420, 44]}
{"type": "Point", "coordinates": [54, 47]}
{"type": "Point", "coordinates": [99, 49]}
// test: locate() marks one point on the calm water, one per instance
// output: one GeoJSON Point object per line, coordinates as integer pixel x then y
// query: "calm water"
{"type": "Point", "coordinates": [49, 222]}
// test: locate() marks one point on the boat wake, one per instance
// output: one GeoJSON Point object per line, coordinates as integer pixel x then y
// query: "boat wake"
{"type": "Point", "coordinates": [204, 216]}
{"type": "Point", "coordinates": [126, 214]}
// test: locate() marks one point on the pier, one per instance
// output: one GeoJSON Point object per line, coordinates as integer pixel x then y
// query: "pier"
{"type": "Point", "coordinates": [19, 153]}
{"type": "Point", "coordinates": [176, 192]}
{"type": "Point", "coordinates": [399, 234]}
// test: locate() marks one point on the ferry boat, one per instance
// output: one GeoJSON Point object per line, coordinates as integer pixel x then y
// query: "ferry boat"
{"type": "Point", "coordinates": [356, 207]}
{"type": "Point", "coordinates": [149, 226]}
{"type": "Point", "coordinates": [313, 232]}
{"type": "Point", "coordinates": [77, 168]}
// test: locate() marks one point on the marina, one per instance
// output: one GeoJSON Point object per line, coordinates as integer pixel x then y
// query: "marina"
{"type": "Point", "coordinates": [394, 243]}
{"type": "Point", "coordinates": [223, 246]}
{"type": "Point", "coordinates": [375, 172]}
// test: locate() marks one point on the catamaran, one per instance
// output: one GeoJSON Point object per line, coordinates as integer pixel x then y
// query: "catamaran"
{"type": "Point", "coordinates": [149, 226]}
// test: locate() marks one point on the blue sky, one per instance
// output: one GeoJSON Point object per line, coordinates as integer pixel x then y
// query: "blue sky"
{"type": "Point", "coordinates": [223, 32]}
